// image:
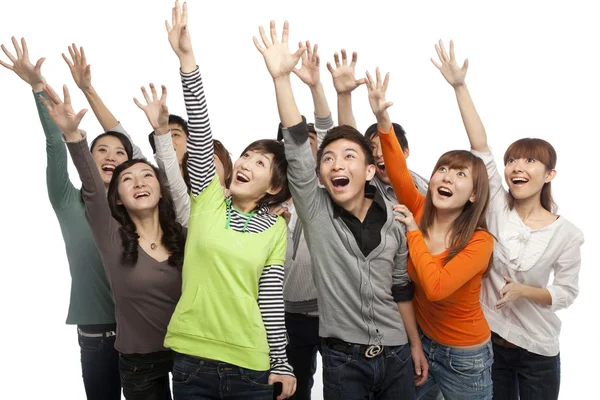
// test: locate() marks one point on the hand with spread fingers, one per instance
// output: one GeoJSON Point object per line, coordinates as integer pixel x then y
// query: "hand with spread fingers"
{"type": "Point", "coordinates": [80, 70]}
{"type": "Point", "coordinates": [62, 113]}
{"type": "Point", "coordinates": [288, 385]}
{"type": "Point", "coordinates": [156, 109]}
{"type": "Point", "coordinates": [278, 58]}
{"type": "Point", "coordinates": [309, 73]}
{"type": "Point", "coordinates": [407, 217]}
{"type": "Point", "coordinates": [179, 35]}
{"type": "Point", "coordinates": [454, 74]}
{"type": "Point", "coordinates": [376, 90]}
{"type": "Point", "coordinates": [32, 74]}
{"type": "Point", "coordinates": [344, 80]}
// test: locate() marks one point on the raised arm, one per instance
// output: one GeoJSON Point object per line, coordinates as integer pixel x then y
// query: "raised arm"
{"type": "Point", "coordinates": [455, 76]}
{"type": "Point", "coordinates": [395, 162]}
{"type": "Point", "coordinates": [201, 163]}
{"type": "Point", "coordinates": [344, 82]}
{"type": "Point", "coordinates": [60, 188]}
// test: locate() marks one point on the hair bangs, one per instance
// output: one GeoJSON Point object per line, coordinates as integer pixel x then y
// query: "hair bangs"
{"type": "Point", "coordinates": [456, 159]}
{"type": "Point", "coordinates": [537, 149]}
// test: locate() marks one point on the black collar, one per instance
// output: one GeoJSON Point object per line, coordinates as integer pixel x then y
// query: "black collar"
{"type": "Point", "coordinates": [371, 192]}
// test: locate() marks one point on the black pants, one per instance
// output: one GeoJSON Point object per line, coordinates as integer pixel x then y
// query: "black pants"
{"type": "Point", "coordinates": [146, 376]}
{"type": "Point", "coordinates": [100, 365]}
{"type": "Point", "coordinates": [303, 332]}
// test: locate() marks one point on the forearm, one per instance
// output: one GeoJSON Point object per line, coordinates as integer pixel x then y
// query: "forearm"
{"type": "Point", "coordinates": [103, 115]}
{"type": "Point", "coordinates": [320, 101]}
{"type": "Point", "coordinates": [345, 114]}
{"type": "Point", "coordinates": [166, 158]}
{"type": "Point", "coordinates": [289, 114]}
{"type": "Point", "coordinates": [384, 123]}
{"type": "Point", "coordinates": [472, 122]}
{"type": "Point", "coordinates": [537, 295]}
{"type": "Point", "coordinates": [407, 312]}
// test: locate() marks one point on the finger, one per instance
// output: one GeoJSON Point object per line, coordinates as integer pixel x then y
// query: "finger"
{"type": "Point", "coordinates": [137, 103]}
{"type": "Point", "coordinates": [273, 31]}
{"type": "Point", "coordinates": [25, 49]}
{"type": "Point", "coordinates": [168, 26]}
{"type": "Point", "coordinates": [164, 109]}
{"type": "Point", "coordinates": [5, 65]}
{"type": "Point", "coordinates": [80, 115]}
{"type": "Point", "coordinates": [264, 37]}
{"type": "Point", "coordinates": [9, 55]}
{"type": "Point", "coordinates": [378, 77]}
{"type": "Point", "coordinates": [304, 56]}
{"type": "Point", "coordinates": [52, 94]}
{"type": "Point", "coordinates": [354, 58]}
{"type": "Point", "coordinates": [444, 52]}
{"type": "Point", "coordinates": [177, 13]}
{"type": "Point", "coordinates": [17, 47]}
{"type": "Point", "coordinates": [174, 15]}
{"type": "Point", "coordinates": [437, 65]}
{"type": "Point", "coordinates": [336, 59]}
{"type": "Point", "coordinates": [439, 53]}
{"type": "Point", "coordinates": [344, 57]}
{"type": "Point", "coordinates": [38, 64]}
{"type": "Point", "coordinates": [286, 32]}
{"type": "Point", "coordinates": [501, 303]}
{"type": "Point", "coordinates": [153, 91]}
{"type": "Point", "coordinates": [72, 53]}
{"type": "Point", "coordinates": [387, 105]}
{"type": "Point", "coordinates": [330, 68]}
{"type": "Point", "coordinates": [88, 70]}
{"type": "Point", "coordinates": [258, 45]}
{"type": "Point", "coordinates": [299, 53]}
{"type": "Point", "coordinates": [318, 61]}
{"type": "Point", "coordinates": [163, 94]}
{"type": "Point", "coordinates": [146, 97]}
{"type": "Point", "coordinates": [465, 66]}
{"type": "Point", "coordinates": [69, 63]}
{"type": "Point", "coordinates": [76, 51]}
{"type": "Point", "coordinates": [369, 81]}
{"type": "Point", "coordinates": [386, 81]}
{"type": "Point", "coordinates": [315, 51]}
{"type": "Point", "coordinates": [359, 82]}
{"type": "Point", "coordinates": [452, 50]}
{"type": "Point", "coordinates": [184, 14]}
{"type": "Point", "coordinates": [48, 104]}
{"type": "Point", "coordinates": [83, 57]}
{"type": "Point", "coordinates": [400, 218]}
{"type": "Point", "coordinates": [66, 95]}
{"type": "Point", "coordinates": [309, 52]}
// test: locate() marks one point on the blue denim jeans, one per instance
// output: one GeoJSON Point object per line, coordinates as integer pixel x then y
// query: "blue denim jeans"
{"type": "Point", "coordinates": [518, 373]}
{"type": "Point", "coordinates": [100, 366]}
{"type": "Point", "coordinates": [460, 374]}
{"type": "Point", "coordinates": [351, 375]}
{"type": "Point", "coordinates": [146, 376]}
{"type": "Point", "coordinates": [196, 378]}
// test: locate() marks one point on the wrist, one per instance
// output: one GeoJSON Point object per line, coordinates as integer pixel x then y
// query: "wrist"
{"type": "Point", "coordinates": [316, 87]}
{"type": "Point", "coordinates": [282, 79]}
{"type": "Point", "coordinates": [37, 87]}
{"type": "Point", "coordinates": [88, 90]}
{"type": "Point", "coordinates": [161, 130]}
{"type": "Point", "coordinates": [460, 87]}
{"type": "Point", "coordinates": [187, 63]}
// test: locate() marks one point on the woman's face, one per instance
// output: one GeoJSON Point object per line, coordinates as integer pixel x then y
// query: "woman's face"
{"type": "Point", "coordinates": [138, 188]}
{"type": "Point", "coordinates": [108, 153]}
{"type": "Point", "coordinates": [451, 188]}
{"type": "Point", "coordinates": [252, 176]}
{"type": "Point", "coordinates": [526, 177]}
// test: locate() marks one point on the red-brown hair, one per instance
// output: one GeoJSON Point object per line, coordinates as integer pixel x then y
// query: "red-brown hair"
{"type": "Point", "coordinates": [472, 217]}
{"type": "Point", "coordinates": [541, 151]}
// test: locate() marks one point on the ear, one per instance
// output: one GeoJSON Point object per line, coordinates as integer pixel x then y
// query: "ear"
{"type": "Point", "coordinates": [472, 198]}
{"type": "Point", "coordinates": [406, 152]}
{"type": "Point", "coordinates": [371, 168]}
{"type": "Point", "coordinates": [550, 175]}
{"type": "Point", "coordinates": [120, 203]}
{"type": "Point", "coordinates": [274, 190]}
{"type": "Point", "coordinates": [319, 177]}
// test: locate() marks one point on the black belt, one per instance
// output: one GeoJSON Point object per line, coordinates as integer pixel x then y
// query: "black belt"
{"type": "Point", "coordinates": [368, 350]}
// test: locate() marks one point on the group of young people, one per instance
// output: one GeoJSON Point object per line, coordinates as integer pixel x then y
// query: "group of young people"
{"type": "Point", "coordinates": [233, 276]}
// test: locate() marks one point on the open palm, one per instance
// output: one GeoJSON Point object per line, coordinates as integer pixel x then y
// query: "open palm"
{"type": "Point", "coordinates": [344, 79]}
{"type": "Point", "coordinates": [62, 112]}
{"type": "Point", "coordinates": [454, 74]}
{"type": "Point", "coordinates": [278, 58]}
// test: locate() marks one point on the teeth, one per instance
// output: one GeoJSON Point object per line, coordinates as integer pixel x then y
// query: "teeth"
{"type": "Point", "coordinates": [141, 194]}
{"type": "Point", "coordinates": [243, 177]}
{"type": "Point", "coordinates": [445, 190]}
{"type": "Point", "coordinates": [337, 178]}
{"type": "Point", "coordinates": [108, 167]}
{"type": "Point", "coordinates": [518, 180]}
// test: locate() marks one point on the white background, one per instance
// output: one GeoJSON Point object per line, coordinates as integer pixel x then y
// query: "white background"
{"type": "Point", "coordinates": [534, 72]}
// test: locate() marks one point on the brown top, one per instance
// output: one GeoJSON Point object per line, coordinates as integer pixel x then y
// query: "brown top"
{"type": "Point", "coordinates": [146, 293]}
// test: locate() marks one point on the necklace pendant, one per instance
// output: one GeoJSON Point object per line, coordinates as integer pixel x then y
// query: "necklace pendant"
{"type": "Point", "coordinates": [153, 246]}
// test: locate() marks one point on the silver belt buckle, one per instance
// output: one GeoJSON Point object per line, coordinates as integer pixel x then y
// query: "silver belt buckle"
{"type": "Point", "coordinates": [373, 351]}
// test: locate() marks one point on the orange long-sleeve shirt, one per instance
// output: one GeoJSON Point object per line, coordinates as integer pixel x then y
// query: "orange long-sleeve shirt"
{"type": "Point", "coordinates": [446, 298]}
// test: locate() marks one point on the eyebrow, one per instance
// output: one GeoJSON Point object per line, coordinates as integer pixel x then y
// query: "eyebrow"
{"type": "Point", "coordinates": [348, 149]}
{"type": "Point", "coordinates": [118, 147]}
{"type": "Point", "coordinates": [143, 170]}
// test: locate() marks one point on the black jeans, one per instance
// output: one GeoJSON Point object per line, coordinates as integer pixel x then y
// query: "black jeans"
{"type": "Point", "coordinates": [303, 331]}
{"type": "Point", "coordinates": [520, 374]}
{"type": "Point", "coordinates": [146, 376]}
{"type": "Point", "coordinates": [99, 365]}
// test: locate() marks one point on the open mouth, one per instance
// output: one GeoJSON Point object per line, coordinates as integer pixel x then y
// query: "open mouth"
{"type": "Point", "coordinates": [108, 168]}
{"type": "Point", "coordinates": [381, 167]}
{"type": "Point", "coordinates": [140, 195]}
{"type": "Point", "coordinates": [340, 182]}
{"type": "Point", "coordinates": [241, 178]}
{"type": "Point", "coordinates": [519, 181]}
{"type": "Point", "coordinates": [443, 191]}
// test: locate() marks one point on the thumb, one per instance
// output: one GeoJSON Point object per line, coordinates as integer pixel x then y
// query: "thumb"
{"type": "Point", "coordinates": [465, 65]}
{"type": "Point", "coordinates": [38, 64]}
{"type": "Point", "coordinates": [299, 52]}
{"type": "Point", "coordinates": [387, 105]}
{"type": "Point", "coordinates": [80, 115]}
{"type": "Point", "coordinates": [508, 280]}
{"type": "Point", "coordinates": [360, 81]}
{"type": "Point", "coordinates": [271, 379]}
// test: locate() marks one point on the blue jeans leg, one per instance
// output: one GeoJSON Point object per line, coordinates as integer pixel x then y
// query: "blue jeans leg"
{"type": "Point", "coordinates": [518, 373]}
{"type": "Point", "coordinates": [461, 374]}
{"type": "Point", "coordinates": [100, 368]}
{"type": "Point", "coordinates": [195, 378]}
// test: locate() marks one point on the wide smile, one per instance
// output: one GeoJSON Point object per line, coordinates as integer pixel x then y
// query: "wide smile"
{"type": "Point", "coordinates": [444, 192]}
{"type": "Point", "coordinates": [241, 178]}
{"type": "Point", "coordinates": [141, 195]}
{"type": "Point", "coordinates": [108, 168]}
{"type": "Point", "coordinates": [340, 183]}
{"type": "Point", "coordinates": [381, 167]}
{"type": "Point", "coordinates": [519, 181]}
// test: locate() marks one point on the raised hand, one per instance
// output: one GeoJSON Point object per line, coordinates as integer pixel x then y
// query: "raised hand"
{"type": "Point", "coordinates": [343, 75]}
{"type": "Point", "coordinates": [376, 90]}
{"type": "Point", "coordinates": [179, 35]}
{"type": "Point", "coordinates": [454, 74]}
{"type": "Point", "coordinates": [155, 109]}
{"type": "Point", "coordinates": [309, 73]}
{"type": "Point", "coordinates": [80, 70]}
{"type": "Point", "coordinates": [62, 112]}
{"type": "Point", "coordinates": [32, 74]}
{"type": "Point", "coordinates": [280, 62]}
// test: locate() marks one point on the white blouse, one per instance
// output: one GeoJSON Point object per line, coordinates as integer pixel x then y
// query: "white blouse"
{"type": "Point", "coordinates": [528, 257]}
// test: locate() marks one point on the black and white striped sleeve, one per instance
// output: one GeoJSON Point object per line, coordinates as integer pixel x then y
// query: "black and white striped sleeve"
{"type": "Point", "coordinates": [201, 163]}
{"type": "Point", "coordinates": [272, 309]}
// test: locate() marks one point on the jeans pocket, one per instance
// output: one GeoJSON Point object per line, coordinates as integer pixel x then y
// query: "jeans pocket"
{"type": "Point", "coordinates": [90, 344]}
{"type": "Point", "coordinates": [132, 373]}
{"type": "Point", "coordinates": [401, 353]}
{"type": "Point", "coordinates": [467, 366]}
{"type": "Point", "coordinates": [334, 360]}
{"type": "Point", "coordinates": [258, 379]}
{"type": "Point", "coordinates": [181, 375]}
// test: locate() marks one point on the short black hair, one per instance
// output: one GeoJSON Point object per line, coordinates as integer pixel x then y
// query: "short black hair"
{"type": "Point", "coordinates": [346, 132]}
{"type": "Point", "coordinates": [173, 119]}
{"type": "Point", "coordinates": [372, 131]}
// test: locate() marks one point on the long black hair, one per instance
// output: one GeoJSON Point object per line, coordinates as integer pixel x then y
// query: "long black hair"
{"type": "Point", "coordinates": [173, 237]}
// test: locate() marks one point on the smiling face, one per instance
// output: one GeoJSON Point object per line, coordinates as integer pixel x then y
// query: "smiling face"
{"type": "Point", "coordinates": [138, 188]}
{"type": "Point", "coordinates": [451, 187]}
{"type": "Point", "coordinates": [343, 171]}
{"type": "Point", "coordinates": [526, 177]}
{"type": "Point", "coordinates": [108, 153]}
{"type": "Point", "coordinates": [252, 176]}
{"type": "Point", "coordinates": [179, 139]}
{"type": "Point", "coordinates": [379, 163]}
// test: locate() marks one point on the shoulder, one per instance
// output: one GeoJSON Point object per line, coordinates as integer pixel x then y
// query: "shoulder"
{"type": "Point", "coordinates": [567, 230]}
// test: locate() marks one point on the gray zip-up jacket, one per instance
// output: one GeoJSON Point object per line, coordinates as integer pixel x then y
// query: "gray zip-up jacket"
{"type": "Point", "coordinates": [354, 292]}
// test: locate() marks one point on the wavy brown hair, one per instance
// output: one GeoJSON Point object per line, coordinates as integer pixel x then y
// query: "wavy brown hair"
{"type": "Point", "coordinates": [472, 217]}
{"type": "Point", "coordinates": [173, 237]}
